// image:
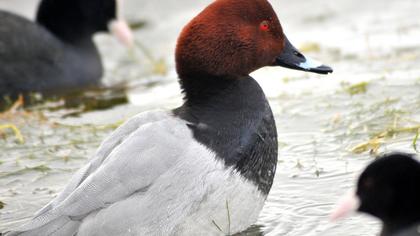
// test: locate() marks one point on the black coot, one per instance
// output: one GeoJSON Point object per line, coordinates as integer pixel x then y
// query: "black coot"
{"type": "Point", "coordinates": [56, 53]}
{"type": "Point", "coordinates": [389, 189]}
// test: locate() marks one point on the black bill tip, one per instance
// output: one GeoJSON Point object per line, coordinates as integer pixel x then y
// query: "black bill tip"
{"type": "Point", "coordinates": [323, 69]}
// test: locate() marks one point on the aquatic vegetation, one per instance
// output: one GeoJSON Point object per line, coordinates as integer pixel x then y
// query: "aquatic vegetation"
{"type": "Point", "coordinates": [10, 113]}
{"type": "Point", "coordinates": [39, 168]}
{"type": "Point", "coordinates": [15, 130]}
{"type": "Point", "coordinates": [228, 218]}
{"type": "Point", "coordinates": [310, 47]}
{"type": "Point", "coordinates": [373, 144]}
{"type": "Point", "coordinates": [356, 88]}
{"type": "Point", "coordinates": [415, 141]}
{"type": "Point", "coordinates": [136, 24]}
{"type": "Point", "coordinates": [159, 66]}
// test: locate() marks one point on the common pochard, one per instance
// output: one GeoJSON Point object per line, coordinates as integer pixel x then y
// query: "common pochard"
{"type": "Point", "coordinates": [204, 168]}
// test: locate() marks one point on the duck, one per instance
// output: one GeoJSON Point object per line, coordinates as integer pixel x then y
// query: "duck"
{"type": "Point", "coordinates": [388, 189]}
{"type": "Point", "coordinates": [56, 53]}
{"type": "Point", "coordinates": [204, 168]}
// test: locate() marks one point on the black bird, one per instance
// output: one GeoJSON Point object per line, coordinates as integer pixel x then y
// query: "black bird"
{"type": "Point", "coordinates": [389, 189]}
{"type": "Point", "coordinates": [56, 53]}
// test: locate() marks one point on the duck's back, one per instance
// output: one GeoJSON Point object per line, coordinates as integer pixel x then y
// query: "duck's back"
{"type": "Point", "coordinates": [34, 60]}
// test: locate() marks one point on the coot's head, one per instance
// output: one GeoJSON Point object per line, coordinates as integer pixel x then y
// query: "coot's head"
{"type": "Point", "coordinates": [389, 189]}
{"type": "Point", "coordinates": [77, 20]}
{"type": "Point", "coordinates": [232, 38]}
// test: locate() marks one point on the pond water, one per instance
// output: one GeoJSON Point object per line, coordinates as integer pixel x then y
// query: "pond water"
{"type": "Point", "coordinates": [373, 46]}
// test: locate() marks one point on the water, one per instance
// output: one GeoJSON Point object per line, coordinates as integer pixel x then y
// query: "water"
{"type": "Point", "coordinates": [318, 120]}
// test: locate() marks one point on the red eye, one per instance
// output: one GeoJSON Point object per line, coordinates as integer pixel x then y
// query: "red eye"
{"type": "Point", "coordinates": [264, 26]}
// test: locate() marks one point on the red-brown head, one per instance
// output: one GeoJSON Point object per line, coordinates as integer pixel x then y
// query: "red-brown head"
{"type": "Point", "coordinates": [232, 38]}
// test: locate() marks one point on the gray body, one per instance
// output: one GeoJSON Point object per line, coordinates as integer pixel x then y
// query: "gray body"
{"type": "Point", "coordinates": [151, 177]}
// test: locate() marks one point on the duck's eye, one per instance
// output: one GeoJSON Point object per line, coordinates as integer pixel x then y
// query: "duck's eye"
{"type": "Point", "coordinates": [264, 26]}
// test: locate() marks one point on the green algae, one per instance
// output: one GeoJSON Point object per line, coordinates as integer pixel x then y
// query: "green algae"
{"type": "Point", "coordinates": [355, 89]}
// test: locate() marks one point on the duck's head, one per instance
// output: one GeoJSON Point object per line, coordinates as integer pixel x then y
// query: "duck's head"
{"type": "Point", "coordinates": [77, 20]}
{"type": "Point", "coordinates": [387, 189]}
{"type": "Point", "coordinates": [232, 38]}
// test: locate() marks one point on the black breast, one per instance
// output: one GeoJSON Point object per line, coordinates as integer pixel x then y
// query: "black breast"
{"type": "Point", "coordinates": [257, 159]}
{"type": "Point", "coordinates": [238, 125]}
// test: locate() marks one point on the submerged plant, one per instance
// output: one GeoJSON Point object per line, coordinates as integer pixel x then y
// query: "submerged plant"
{"type": "Point", "coordinates": [159, 66]}
{"type": "Point", "coordinates": [356, 88]}
{"type": "Point", "coordinates": [228, 218]}
{"type": "Point", "coordinates": [415, 141]}
{"type": "Point", "coordinates": [15, 130]}
{"type": "Point", "coordinates": [378, 140]}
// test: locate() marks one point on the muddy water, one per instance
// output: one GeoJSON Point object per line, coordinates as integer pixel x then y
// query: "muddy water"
{"type": "Point", "coordinates": [374, 49]}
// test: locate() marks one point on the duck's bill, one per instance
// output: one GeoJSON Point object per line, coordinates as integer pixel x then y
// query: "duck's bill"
{"type": "Point", "coordinates": [121, 30]}
{"type": "Point", "coordinates": [347, 205]}
{"type": "Point", "coordinates": [291, 58]}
